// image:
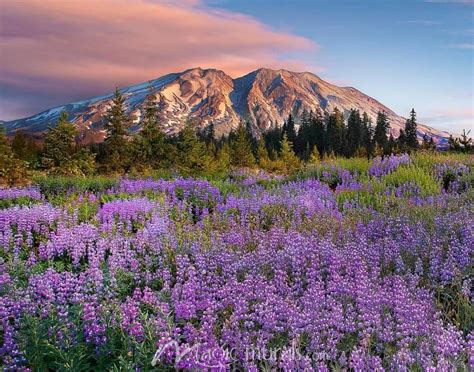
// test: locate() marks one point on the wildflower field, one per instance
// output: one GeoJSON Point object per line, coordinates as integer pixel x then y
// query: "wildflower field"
{"type": "Point", "coordinates": [349, 264]}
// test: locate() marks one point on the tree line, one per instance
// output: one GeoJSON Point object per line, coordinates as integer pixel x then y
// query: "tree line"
{"type": "Point", "coordinates": [196, 152]}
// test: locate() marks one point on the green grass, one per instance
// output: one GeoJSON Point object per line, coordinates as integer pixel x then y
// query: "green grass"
{"type": "Point", "coordinates": [413, 174]}
{"type": "Point", "coordinates": [58, 185]}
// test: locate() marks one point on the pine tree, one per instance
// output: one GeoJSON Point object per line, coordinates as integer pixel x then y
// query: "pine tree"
{"type": "Point", "coordinates": [381, 130]}
{"type": "Point", "coordinates": [61, 154]}
{"type": "Point", "coordinates": [354, 132]}
{"type": "Point", "coordinates": [288, 160]}
{"type": "Point", "coordinates": [432, 144]}
{"type": "Point", "coordinates": [241, 149]}
{"type": "Point", "coordinates": [335, 132]}
{"type": "Point", "coordinates": [193, 156]}
{"type": "Point", "coordinates": [367, 134]}
{"type": "Point", "coordinates": [290, 130]}
{"type": "Point", "coordinates": [251, 130]}
{"type": "Point", "coordinates": [13, 171]}
{"type": "Point", "coordinates": [315, 157]}
{"type": "Point", "coordinates": [262, 155]}
{"type": "Point", "coordinates": [428, 143]}
{"type": "Point", "coordinates": [454, 144]}
{"type": "Point", "coordinates": [425, 145]}
{"type": "Point", "coordinates": [304, 136]}
{"type": "Point", "coordinates": [150, 142]}
{"type": "Point", "coordinates": [391, 144]}
{"type": "Point", "coordinates": [466, 141]}
{"type": "Point", "coordinates": [318, 131]}
{"type": "Point", "coordinates": [272, 139]}
{"type": "Point", "coordinates": [223, 157]}
{"type": "Point", "coordinates": [401, 141]}
{"type": "Point", "coordinates": [411, 137]}
{"type": "Point", "coordinates": [24, 147]}
{"type": "Point", "coordinates": [209, 134]}
{"type": "Point", "coordinates": [59, 143]}
{"type": "Point", "coordinates": [116, 140]}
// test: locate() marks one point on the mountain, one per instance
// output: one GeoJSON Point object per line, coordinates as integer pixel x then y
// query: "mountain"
{"type": "Point", "coordinates": [265, 97]}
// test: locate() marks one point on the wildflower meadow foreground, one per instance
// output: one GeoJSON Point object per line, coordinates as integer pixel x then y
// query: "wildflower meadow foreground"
{"type": "Point", "coordinates": [348, 265]}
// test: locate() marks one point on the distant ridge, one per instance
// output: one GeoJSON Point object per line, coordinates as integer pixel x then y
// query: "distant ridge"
{"type": "Point", "coordinates": [265, 97]}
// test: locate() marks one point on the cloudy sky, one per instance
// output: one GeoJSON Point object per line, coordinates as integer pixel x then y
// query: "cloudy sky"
{"type": "Point", "coordinates": [405, 53]}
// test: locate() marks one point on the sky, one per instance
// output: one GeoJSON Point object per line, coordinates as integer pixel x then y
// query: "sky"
{"type": "Point", "coordinates": [404, 53]}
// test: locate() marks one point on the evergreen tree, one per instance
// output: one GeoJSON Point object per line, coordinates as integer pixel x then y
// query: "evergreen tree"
{"type": "Point", "coordinates": [428, 143]}
{"type": "Point", "coordinates": [288, 161]}
{"type": "Point", "coordinates": [193, 156]}
{"type": "Point", "coordinates": [466, 141]}
{"type": "Point", "coordinates": [251, 135]}
{"type": "Point", "coordinates": [454, 144]}
{"type": "Point", "coordinates": [367, 134]}
{"type": "Point", "coordinates": [425, 145]}
{"type": "Point", "coordinates": [354, 132]}
{"type": "Point", "coordinates": [116, 145]}
{"type": "Point", "coordinates": [59, 143]}
{"type": "Point", "coordinates": [304, 137]}
{"type": "Point", "coordinates": [61, 154]}
{"type": "Point", "coordinates": [401, 141]}
{"type": "Point", "coordinates": [272, 139]}
{"type": "Point", "coordinates": [318, 131]}
{"type": "Point", "coordinates": [223, 158]}
{"type": "Point", "coordinates": [290, 130]}
{"type": "Point", "coordinates": [150, 143]}
{"type": "Point", "coordinates": [411, 137]}
{"type": "Point", "coordinates": [432, 144]}
{"type": "Point", "coordinates": [241, 148]}
{"type": "Point", "coordinates": [391, 144]}
{"type": "Point", "coordinates": [262, 155]}
{"type": "Point", "coordinates": [335, 133]}
{"type": "Point", "coordinates": [209, 134]}
{"type": "Point", "coordinates": [315, 157]}
{"type": "Point", "coordinates": [381, 130]}
{"type": "Point", "coordinates": [24, 147]}
{"type": "Point", "coordinates": [12, 170]}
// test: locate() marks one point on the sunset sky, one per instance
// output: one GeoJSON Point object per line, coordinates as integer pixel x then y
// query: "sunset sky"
{"type": "Point", "coordinates": [404, 53]}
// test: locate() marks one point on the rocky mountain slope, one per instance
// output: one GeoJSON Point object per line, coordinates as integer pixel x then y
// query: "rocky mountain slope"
{"type": "Point", "coordinates": [265, 97]}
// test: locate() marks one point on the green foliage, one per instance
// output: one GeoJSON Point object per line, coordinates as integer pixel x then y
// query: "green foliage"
{"type": "Point", "coordinates": [335, 132]}
{"type": "Point", "coordinates": [411, 137]}
{"type": "Point", "coordinates": [50, 346]}
{"type": "Point", "coordinates": [223, 159]}
{"type": "Point", "coordinates": [25, 148]}
{"type": "Point", "coordinates": [194, 158]}
{"type": "Point", "coordinates": [150, 145]}
{"type": "Point", "coordinates": [116, 143]}
{"type": "Point", "coordinates": [289, 130]}
{"type": "Point", "coordinates": [60, 185]}
{"type": "Point", "coordinates": [287, 161]}
{"type": "Point", "coordinates": [367, 134]}
{"type": "Point", "coordinates": [456, 306]}
{"type": "Point", "coordinates": [241, 149]}
{"type": "Point", "coordinates": [315, 157]}
{"type": "Point", "coordinates": [354, 132]}
{"type": "Point", "coordinates": [419, 177]}
{"type": "Point", "coordinates": [13, 171]}
{"type": "Point", "coordinates": [264, 161]}
{"type": "Point", "coordinates": [381, 130]}
{"type": "Point", "coordinates": [61, 155]}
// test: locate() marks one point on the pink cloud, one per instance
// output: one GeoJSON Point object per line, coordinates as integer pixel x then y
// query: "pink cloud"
{"type": "Point", "coordinates": [451, 119]}
{"type": "Point", "coordinates": [90, 46]}
{"type": "Point", "coordinates": [467, 112]}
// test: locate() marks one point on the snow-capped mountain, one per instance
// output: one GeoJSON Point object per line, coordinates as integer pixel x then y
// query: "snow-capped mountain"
{"type": "Point", "coordinates": [265, 97]}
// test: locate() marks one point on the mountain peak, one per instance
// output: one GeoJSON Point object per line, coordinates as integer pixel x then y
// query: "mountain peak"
{"type": "Point", "coordinates": [265, 97]}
